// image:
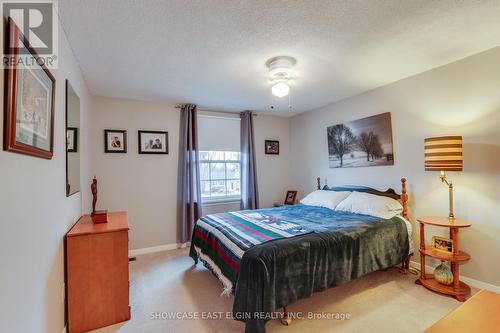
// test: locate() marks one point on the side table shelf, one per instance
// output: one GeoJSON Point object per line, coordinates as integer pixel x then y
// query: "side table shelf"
{"type": "Point", "coordinates": [458, 289]}
{"type": "Point", "coordinates": [459, 293]}
{"type": "Point", "coordinates": [431, 252]}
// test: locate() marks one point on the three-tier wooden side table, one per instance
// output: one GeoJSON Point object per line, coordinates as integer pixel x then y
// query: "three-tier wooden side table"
{"type": "Point", "coordinates": [458, 289]}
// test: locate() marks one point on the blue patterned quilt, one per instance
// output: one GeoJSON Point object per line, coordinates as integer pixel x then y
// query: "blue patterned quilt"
{"type": "Point", "coordinates": [341, 247]}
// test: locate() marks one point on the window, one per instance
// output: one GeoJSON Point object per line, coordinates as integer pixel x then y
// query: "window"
{"type": "Point", "coordinates": [220, 175]}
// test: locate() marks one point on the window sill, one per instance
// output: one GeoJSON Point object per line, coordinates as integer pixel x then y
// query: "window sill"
{"type": "Point", "coordinates": [220, 202]}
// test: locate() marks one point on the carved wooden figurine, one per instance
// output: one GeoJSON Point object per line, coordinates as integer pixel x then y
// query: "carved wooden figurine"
{"type": "Point", "coordinates": [93, 188]}
{"type": "Point", "coordinates": [98, 216]}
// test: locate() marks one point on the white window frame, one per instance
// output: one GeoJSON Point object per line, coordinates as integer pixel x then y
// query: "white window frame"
{"type": "Point", "coordinates": [222, 199]}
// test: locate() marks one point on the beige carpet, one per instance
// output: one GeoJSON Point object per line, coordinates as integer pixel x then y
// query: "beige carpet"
{"type": "Point", "coordinates": [168, 282]}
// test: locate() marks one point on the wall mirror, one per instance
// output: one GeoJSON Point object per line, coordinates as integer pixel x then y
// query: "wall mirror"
{"type": "Point", "coordinates": [72, 141]}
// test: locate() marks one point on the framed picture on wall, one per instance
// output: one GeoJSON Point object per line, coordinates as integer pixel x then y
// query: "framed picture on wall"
{"type": "Point", "coordinates": [29, 98]}
{"type": "Point", "coordinates": [272, 147]}
{"type": "Point", "coordinates": [153, 142]}
{"type": "Point", "coordinates": [363, 142]}
{"type": "Point", "coordinates": [72, 139]}
{"type": "Point", "coordinates": [115, 141]}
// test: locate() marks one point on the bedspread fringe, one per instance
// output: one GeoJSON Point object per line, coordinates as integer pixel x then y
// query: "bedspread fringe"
{"type": "Point", "coordinates": [228, 285]}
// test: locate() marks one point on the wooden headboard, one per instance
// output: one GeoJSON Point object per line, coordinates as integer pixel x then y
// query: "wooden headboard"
{"type": "Point", "coordinates": [403, 196]}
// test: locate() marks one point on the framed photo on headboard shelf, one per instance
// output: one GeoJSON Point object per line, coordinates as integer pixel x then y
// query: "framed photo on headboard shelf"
{"type": "Point", "coordinates": [290, 197]}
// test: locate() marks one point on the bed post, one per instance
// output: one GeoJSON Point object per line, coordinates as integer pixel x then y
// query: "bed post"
{"type": "Point", "coordinates": [405, 265]}
{"type": "Point", "coordinates": [318, 183]}
{"type": "Point", "coordinates": [286, 319]}
{"type": "Point", "coordinates": [404, 198]}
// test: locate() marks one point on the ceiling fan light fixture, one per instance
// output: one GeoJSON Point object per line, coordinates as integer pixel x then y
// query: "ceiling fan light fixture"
{"type": "Point", "coordinates": [280, 89]}
{"type": "Point", "coordinates": [280, 73]}
{"type": "Point", "coordinates": [280, 66]}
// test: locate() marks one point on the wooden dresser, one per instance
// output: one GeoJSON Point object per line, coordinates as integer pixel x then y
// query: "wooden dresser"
{"type": "Point", "coordinates": [97, 273]}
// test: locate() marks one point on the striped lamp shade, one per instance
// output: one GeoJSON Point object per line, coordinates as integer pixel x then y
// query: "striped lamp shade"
{"type": "Point", "coordinates": [443, 153]}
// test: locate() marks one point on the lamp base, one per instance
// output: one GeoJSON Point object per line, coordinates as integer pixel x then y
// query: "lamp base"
{"type": "Point", "coordinates": [443, 178]}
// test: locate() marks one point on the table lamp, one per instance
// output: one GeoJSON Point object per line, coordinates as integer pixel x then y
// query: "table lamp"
{"type": "Point", "coordinates": [443, 154]}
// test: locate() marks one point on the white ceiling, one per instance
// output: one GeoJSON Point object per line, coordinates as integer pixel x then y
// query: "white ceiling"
{"type": "Point", "coordinates": [213, 52]}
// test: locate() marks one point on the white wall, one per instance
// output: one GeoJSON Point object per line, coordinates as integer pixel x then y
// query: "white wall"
{"type": "Point", "coordinates": [146, 185]}
{"type": "Point", "coordinates": [461, 98]}
{"type": "Point", "coordinates": [35, 215]}
{"type": "Point", "coordinates": [273, 171]}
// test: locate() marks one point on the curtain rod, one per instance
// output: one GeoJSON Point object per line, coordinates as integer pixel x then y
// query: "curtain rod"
{"type": "Point", "coordinates": [179, 106]}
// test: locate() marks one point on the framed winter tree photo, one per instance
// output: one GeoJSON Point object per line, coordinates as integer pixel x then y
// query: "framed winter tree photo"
{"type": "Point", "coordinates": [361, 143]}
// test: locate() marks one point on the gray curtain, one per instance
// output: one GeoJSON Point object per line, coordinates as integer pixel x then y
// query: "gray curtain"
{"type": "Point", "coordinates": [249, 193]}
{"type": "Point", "coordinates": [189, 194]}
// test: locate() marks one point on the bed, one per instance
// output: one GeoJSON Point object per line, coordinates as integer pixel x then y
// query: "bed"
{"type": "Point", "coordinates": [270, 258]}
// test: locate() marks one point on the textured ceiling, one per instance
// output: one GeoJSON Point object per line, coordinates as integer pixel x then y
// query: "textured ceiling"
{"type": "Point", "coordinates": [213, 52]}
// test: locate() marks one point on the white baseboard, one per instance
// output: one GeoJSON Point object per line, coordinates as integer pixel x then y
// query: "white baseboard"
{"type": "Point", "coordinates": [471, 282]}
{"type": "Point", "coordinates": [160, 248]}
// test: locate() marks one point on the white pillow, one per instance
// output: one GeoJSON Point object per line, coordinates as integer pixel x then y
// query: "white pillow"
{"type": "Point", "coordinates": [328, 199]}
{"type": "Point", "coordinates": [370, 204]}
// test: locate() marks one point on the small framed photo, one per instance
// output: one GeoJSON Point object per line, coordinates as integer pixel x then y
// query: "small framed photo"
{"type": "Point", "coordinates": [153, 142]}
{"type": "Point", "coordinates": [442, 244]}
{"type": "Point", "coordinates": [272, 147]}
{"type": "Point", "coordinates": [72, 139]}
{"type": "Point", "coordinates": [290, 197]}
{"type": "Point", "coordinates": [115, 141]}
